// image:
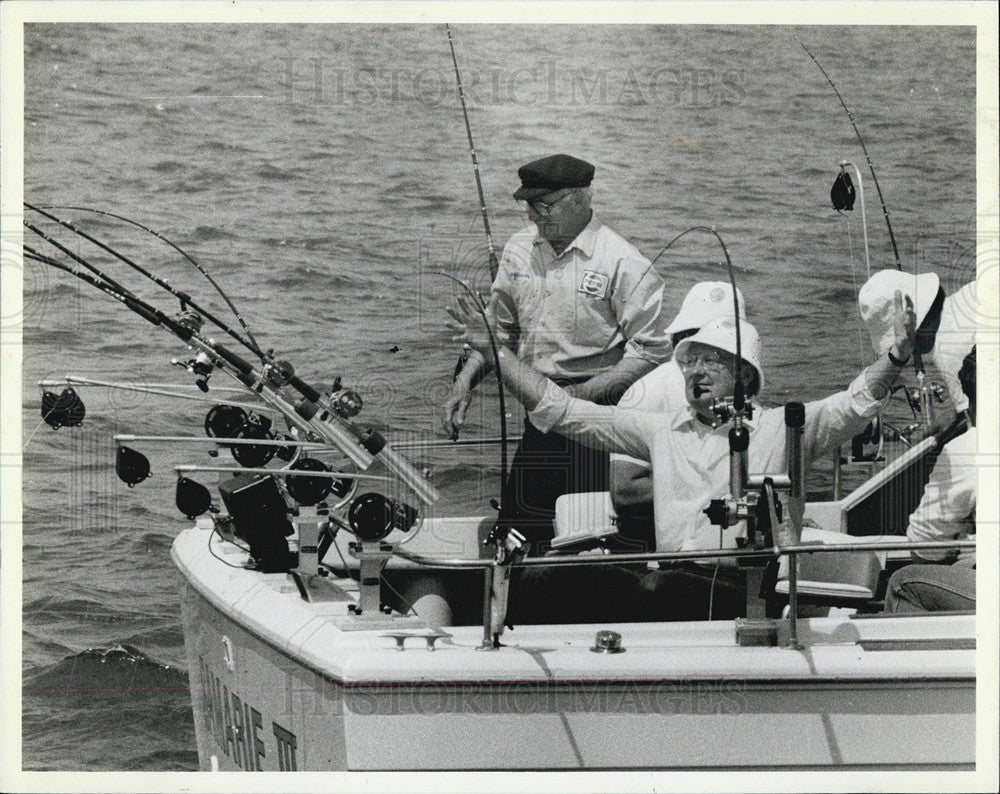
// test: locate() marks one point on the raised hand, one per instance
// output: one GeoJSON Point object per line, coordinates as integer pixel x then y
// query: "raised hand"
{"type": "Point", "coordinates": [469, 326]}
{"type": "Point", "coordinates": [904, 327]}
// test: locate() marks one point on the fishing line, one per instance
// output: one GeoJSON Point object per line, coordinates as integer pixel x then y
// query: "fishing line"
{"type": "Point", "coordinates": [854, 282]}
{"type": "Point", "coordinates": [183, 297]}
{"type": "Point", "coordinates": [173, 245]}
{"type": "Point", "coordinates": [607, 345]}
{"type": "Point", "coordinates": [885, 210]}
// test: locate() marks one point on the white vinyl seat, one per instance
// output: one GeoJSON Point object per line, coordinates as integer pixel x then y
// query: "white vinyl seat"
{"type": "Point", "coordinates": [583, 520]}
{"type": "Point", "coordinates": [840, 577]}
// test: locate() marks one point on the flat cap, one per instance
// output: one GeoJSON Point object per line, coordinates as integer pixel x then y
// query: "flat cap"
{"type": "Point", "coordinates": [555, 172]}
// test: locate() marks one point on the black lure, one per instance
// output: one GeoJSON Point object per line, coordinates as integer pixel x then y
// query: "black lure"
{"type": "Point", "coordinates": [842, 193]}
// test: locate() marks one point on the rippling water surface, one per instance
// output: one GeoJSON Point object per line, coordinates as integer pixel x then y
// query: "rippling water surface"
{"type": "Point", "coordinates": [321, 174]}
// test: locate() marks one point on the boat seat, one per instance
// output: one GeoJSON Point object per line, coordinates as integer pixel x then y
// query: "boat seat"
{"type": "Point", "coordinates": [838, 578]}
{"type": "Point", "coordinates": [583, 521]}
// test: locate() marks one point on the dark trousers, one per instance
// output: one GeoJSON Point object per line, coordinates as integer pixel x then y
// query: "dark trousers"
{"type": "Point", "coordinates": [546, 466]}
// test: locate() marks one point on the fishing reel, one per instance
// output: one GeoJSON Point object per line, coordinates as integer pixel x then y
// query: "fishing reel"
{"type": "Point", "coordinates": [312, 490]}
{"type": "Point", "coordinates": [201, 365]}
{"type": "Point", "coordinates": [724, 409]}
{"type": "Point", "coordinates": [373, 517]}
{"type": "Point", "coordinates": [346, 403]}
{"type": "Point", "coordinates": [189, 320]}
{"type": "Point", "coordinates": [231, 421]}
{"type": "Point", "coordinates": [277, 373]}
{"type": "Point", "coordinates": [753, 498]}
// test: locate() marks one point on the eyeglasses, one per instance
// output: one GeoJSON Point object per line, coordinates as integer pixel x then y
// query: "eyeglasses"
{"type": "Point", "coordinates": [543, 207]}
{"type": "Point", "coordinates": [711, 362]}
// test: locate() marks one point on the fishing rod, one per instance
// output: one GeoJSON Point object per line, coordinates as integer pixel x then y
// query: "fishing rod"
{"type": "Point", "coordinates": [918, 365]}
{"type": "Point", "coordinates": [183, 297]}
{"type": "Point", "coordinates": [480, 305]}
{"type": "Point", "coordinates": [494, 265]}
{"type": "Point", "coordinates": [850, 116]}
{"type": "Point", "coordinates": [311, 414]}
{"type": "Point", "coordinates": [463, 359]}
{"type": "Point", "coordinates": [177, 248]}
{"type": "Point", "coordinates": [738, 391]}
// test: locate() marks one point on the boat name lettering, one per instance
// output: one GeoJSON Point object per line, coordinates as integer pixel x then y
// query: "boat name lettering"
{"type": "Point", "coordinates": [238, 727]}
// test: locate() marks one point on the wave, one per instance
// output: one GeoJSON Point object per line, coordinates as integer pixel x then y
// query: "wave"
{"type": "Point", "coordinates": [206, 233]}
{"type": "Point", "coordinates": [108, 708]}
{"type": "Point", "coordinates": [118, 672]}
{"type": "Point", "coordinates": [271, 173]}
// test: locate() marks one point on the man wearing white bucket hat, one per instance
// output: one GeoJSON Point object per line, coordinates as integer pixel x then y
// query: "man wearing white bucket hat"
{"type": "Point", "coordinates": [689, 449]}
{"type": "Point", "coordinates": [660, 391]}
{"type": "Point", "coordinates": [946, 325]}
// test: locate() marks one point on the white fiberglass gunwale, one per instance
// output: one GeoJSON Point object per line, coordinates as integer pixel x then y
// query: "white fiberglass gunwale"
{"type": "Point", "coordinates": [883, 651]}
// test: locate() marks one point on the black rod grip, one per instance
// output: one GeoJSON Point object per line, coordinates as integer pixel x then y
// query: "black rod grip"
{"type": "Point", "coordinates": [795, 414]}
{"type": "Point", "coordinates": [304, 389]}
{"type": "Point", "coordinates": [144, 311]}
{"type": "Point", "coordinates": [241, 364]}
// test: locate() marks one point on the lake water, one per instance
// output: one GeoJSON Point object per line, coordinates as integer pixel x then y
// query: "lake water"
{"type": "Point", "coordinates": [321, 174]}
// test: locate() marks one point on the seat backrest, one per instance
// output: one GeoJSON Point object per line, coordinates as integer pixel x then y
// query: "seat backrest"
{"type": "Point", "coordinates": [583, 515]}
{"type": "Point", "coordinates": [840, 575]}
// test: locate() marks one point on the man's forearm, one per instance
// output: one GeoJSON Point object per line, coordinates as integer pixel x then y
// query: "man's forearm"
{"type": "Point", "coordinates": [473, 371]}
{"type": "Point", "coordinates": [608, 387]}
{"type": "Point", "coordinates": [527, 384]}
{"type": "Point", "coordinates": [882, 375]}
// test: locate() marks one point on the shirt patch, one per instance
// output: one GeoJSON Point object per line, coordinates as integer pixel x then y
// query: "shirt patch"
{"type": "Point", "coordinates": [593, 284]}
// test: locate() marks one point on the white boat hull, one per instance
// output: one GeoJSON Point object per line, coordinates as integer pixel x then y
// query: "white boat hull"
{"type": "Point", "coordinates": [282, 684]}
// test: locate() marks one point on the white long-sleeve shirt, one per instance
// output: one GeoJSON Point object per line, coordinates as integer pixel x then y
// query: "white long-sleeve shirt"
{"type": "Point", "coordinates": [947, 508]}
{"type": "Point", "coordinates": [656, 392]}
{"type": "Point", "coordinates": [690, 460]}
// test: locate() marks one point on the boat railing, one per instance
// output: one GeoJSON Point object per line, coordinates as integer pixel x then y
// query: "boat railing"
{"type": "Point", "coordinates": [681, 556]}
{"type": "Point", "coordinates": [492, 569]}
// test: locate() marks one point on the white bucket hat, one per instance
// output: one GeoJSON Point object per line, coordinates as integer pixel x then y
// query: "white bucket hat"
{"type": "Point", "coordinates": [705, 300]}
{"type": "Point", "coordinates": [876, 302]}
{"type": "Point", "coordinates": [721, 333]}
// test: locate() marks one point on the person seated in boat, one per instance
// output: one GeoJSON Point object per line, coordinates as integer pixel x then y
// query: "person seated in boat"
{"type": "Point", "coordinates": [659, 391]}
{"type": "Point", "coordinates": [688, 447]}
{"type": "Point", "coordinates": [944, 579]}
{"type": "Point", "coordinates": [583, 307]}
{"type": "Point", "coordinates": [946, 332]}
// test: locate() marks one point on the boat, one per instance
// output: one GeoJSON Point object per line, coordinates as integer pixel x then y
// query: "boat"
{"type": "Point", "coordinates": [333, 621]}
{"type": "Point", "coordinates": [291, 673]}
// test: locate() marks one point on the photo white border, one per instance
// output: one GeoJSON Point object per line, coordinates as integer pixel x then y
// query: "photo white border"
{"type": "Point", "coordinates": [15, 13]}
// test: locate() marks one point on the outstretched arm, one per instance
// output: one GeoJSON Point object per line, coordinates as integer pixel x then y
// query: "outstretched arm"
{"type": "Point", "coordinates": [607, 387]}
{"type": "Point", "coordinates": [597, 426]}
{"type": "Point", "coordinates": [835, 419]}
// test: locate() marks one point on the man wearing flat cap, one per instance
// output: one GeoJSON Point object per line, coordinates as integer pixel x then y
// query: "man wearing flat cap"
{"type": "Point", "coordinates": [579, 304]}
